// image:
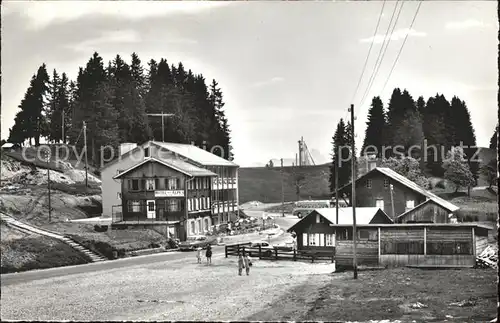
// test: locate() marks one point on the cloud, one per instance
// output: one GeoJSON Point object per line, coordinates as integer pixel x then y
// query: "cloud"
{"type": "Point", "coordinates": [396, 35]}
{"type": "Point", "coordinates": [271, 81]}
{"type": "Point", "coordinates": [465, 24]}
{"type": "Point", "coordinates": [108, 37]}
{"type": "Point", "coordinates": [43, 13]}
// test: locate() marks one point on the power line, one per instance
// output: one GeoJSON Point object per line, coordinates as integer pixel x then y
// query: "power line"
{"type": "Point", "coordinates": [379, 54]}
{"type": "Point", "coordinates": [384, 51]}
{"type": "Point", "coordinates": [402, 45]}
{"type": "Point", "coordinates": [369, 51]}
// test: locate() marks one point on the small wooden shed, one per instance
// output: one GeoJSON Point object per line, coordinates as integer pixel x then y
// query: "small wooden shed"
{"type": "Point", "coordinates": [428, 211]}
{"type": "Point", "coordinates": [315, 233]}
{"type": "Point", "coordinates": [417, 244]}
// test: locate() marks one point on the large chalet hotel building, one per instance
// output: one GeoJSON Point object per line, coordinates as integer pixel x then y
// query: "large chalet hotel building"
{"type": "Point", "coordinates": [177, 186]}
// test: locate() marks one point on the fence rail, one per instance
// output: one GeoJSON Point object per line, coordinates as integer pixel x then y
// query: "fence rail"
{"type": "Point", "coordinates": [279, 254]}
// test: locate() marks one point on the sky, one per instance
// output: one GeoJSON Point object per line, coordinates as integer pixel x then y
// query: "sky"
{"type": "Point", "coordinates": [287, 69]}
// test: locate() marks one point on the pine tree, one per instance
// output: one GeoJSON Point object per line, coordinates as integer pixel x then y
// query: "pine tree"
{"type": "Point", "coordinates": [404, 123]}
{"type": "Point", "coordinates": [435, 132]}
{"type": "Point", "coordinates": [494, 139]}
{"type": "Point", "coordinates": [374, 128]}
{"type": "Point", "coordinates": [54, 111]}
{"type": "Point", "coordinates": [463, 132]}
{"type": "Point", "coordinates": [341, 153]}
{"type": "Point", "coordinates": [138, 76]}
{"type": "Point", "coordinates": [222, 134]}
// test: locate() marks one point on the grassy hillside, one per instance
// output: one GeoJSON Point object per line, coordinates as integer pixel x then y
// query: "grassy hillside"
{"type": "Point", "coordinates": [264, 184]}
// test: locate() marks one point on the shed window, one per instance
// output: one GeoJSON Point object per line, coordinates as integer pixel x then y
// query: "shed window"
{"type": "Point", "coordinates": [368, 183]}
{"type": "Point", "coordinates": [329, 240]}
{"type": "Point", "coordinates": [321, 238]}
{"type": "Point", "coordinates": [386, 183]}
{"type": "Point", "coordinates": [342, 234]}
{"type": "Point", "coordinates": [402, 247]}
{"type": "Point", "coordinates": [371, 235]}
{"type": "Point", "coordinates": [410, 204]}
{"type": "Point", "coordinates": [319, 218]}
{"type": "Point", "coordinates": [449, 248]}
{"type": "Point", "coordinates": [380, 204]}
{"type": "Point", "coordinates": [364, 234]}
{"type": "Point", "coordinates": [146, 152]}
{"type": "Point", "coordinates": [304, 239]}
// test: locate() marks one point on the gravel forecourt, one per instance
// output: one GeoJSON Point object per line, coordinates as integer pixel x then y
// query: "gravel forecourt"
{"type": "Point", "coordinates": [170, 290]}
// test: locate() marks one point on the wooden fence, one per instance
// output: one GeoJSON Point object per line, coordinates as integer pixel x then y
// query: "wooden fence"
{"type": "Point", "coordinates": [279, 254]}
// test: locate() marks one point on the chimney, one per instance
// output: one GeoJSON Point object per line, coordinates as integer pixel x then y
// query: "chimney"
{"type": "Point", "coordinates": [126, 147]}
{"type": "Point", "coordinates": [371, 160]}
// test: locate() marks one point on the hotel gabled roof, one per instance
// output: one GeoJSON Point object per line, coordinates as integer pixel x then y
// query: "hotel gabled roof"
{"type": "Point", "coordinates": [176, 164]}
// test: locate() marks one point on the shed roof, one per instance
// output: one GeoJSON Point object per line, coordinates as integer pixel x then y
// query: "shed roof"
{"type": "Point", "coordinates": [417, 207]}
{"type": "Point", "coordinates": [195, 154]}
{"type": "Point", "coordinates": [406, 225]}
{"type": "Point", "coordinates": [176, 164]}
{"type": "Point", "coordinates": [364, 215]}
{"type": "Point", "coordinates": [411, 185]}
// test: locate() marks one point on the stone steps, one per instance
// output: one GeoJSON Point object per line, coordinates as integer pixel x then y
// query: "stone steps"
{"type": "Point", "coordinates": [28, 229]}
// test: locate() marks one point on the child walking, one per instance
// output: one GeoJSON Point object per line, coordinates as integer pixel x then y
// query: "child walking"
{"type": "Point", "coordinates": [198, 254]}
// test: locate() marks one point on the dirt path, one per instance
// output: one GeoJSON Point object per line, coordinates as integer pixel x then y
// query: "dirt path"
{"type": "Point", "coordinates": [173, 290]}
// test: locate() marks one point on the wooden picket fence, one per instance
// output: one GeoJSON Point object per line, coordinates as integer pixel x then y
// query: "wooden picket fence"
{"type": "Point", "coordinates": [279, 254]}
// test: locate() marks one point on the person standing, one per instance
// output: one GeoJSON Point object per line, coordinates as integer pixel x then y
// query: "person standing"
{"type": "Point", "coordinates": [209, 255]}
{"type": "Point", "coordinates": [241, 263]}
{"type": "Point", "coordinates": [198, 254]}
{"type": "Point", "coordinates": [247, 263]}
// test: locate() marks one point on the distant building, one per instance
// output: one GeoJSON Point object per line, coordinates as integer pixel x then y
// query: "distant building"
{"type": "Point", "coordinates": [177, 186]}
{"type": "Point", "coordinates": [373, 189]}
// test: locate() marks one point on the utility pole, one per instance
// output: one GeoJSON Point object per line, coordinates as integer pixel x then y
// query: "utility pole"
{"type": "Point", "coordinates": [62, 128]}
{"type": "Point", "coordinates": [353, 195]}
{"type": "Point", "coordinates": [392, 203]}
{"type": "Point", "coordinates": [337, 187]}
{"type": "Point", "coordinates": [162, 115]}
{"type": "Point", "coordinates": [282, 191]}
{"type": "Point", "coordinates": [48, 153]}
{"type": "Point", "coordinates": [86, 159]}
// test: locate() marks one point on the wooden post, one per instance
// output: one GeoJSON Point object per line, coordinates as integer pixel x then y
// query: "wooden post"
{"type": "Point", "coordinates": [225, 250]}
{"type": "Point", "coordinates": [353, 194]}
{"type": "Point", "coordinates": [474, 243]}
{"type": "Point", "coordinates": [425, 241]}
{"type": "Point", "coordinates": [294, 255]}
{"type": "Point", "coordinates": [275, 254]}
{"type": "Point", "coordinates": [260, 252]}
{"type": "Point", "coordinates": [379, 246]}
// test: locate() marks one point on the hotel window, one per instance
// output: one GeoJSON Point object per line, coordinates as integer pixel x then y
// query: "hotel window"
{"type": "Point", "coordinates": [195, 200]}
{"type": "Point", "coordinates": [386, 183]}
{"type": "Point", "coordinates": [380, 204]}
{"type": "Point", "coordinates": [150, 184]}
{"type": "Point", "coordinates": [410, 204]}
{"type": "Point", "coordinates": [207, 224]}
{"type": "Point", "coordinates": [157, 183]}
{"type": "Point", "coordinates": [192, 227]}
{"type": "Point", "coordinates": [119, 195]}
{"type": "Point", "coordinates": [368, 183]}
{"type": "Point", "coordinates": [134, 184]}
{"type": "Point", "coordinates": [172, 184]}
{"type": "Point", "coordinates": [208, 202]}
{"type": "Point", "coordinates": [134, 206]}
{"type": "Point", "coordinates": [146, 152]}
{"type": "Point", "coordinates": [312, 239]}
{"type": "Point", "coordinates": [173, 205]}
{"type": "Point", "coordinates": [329, 240]}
